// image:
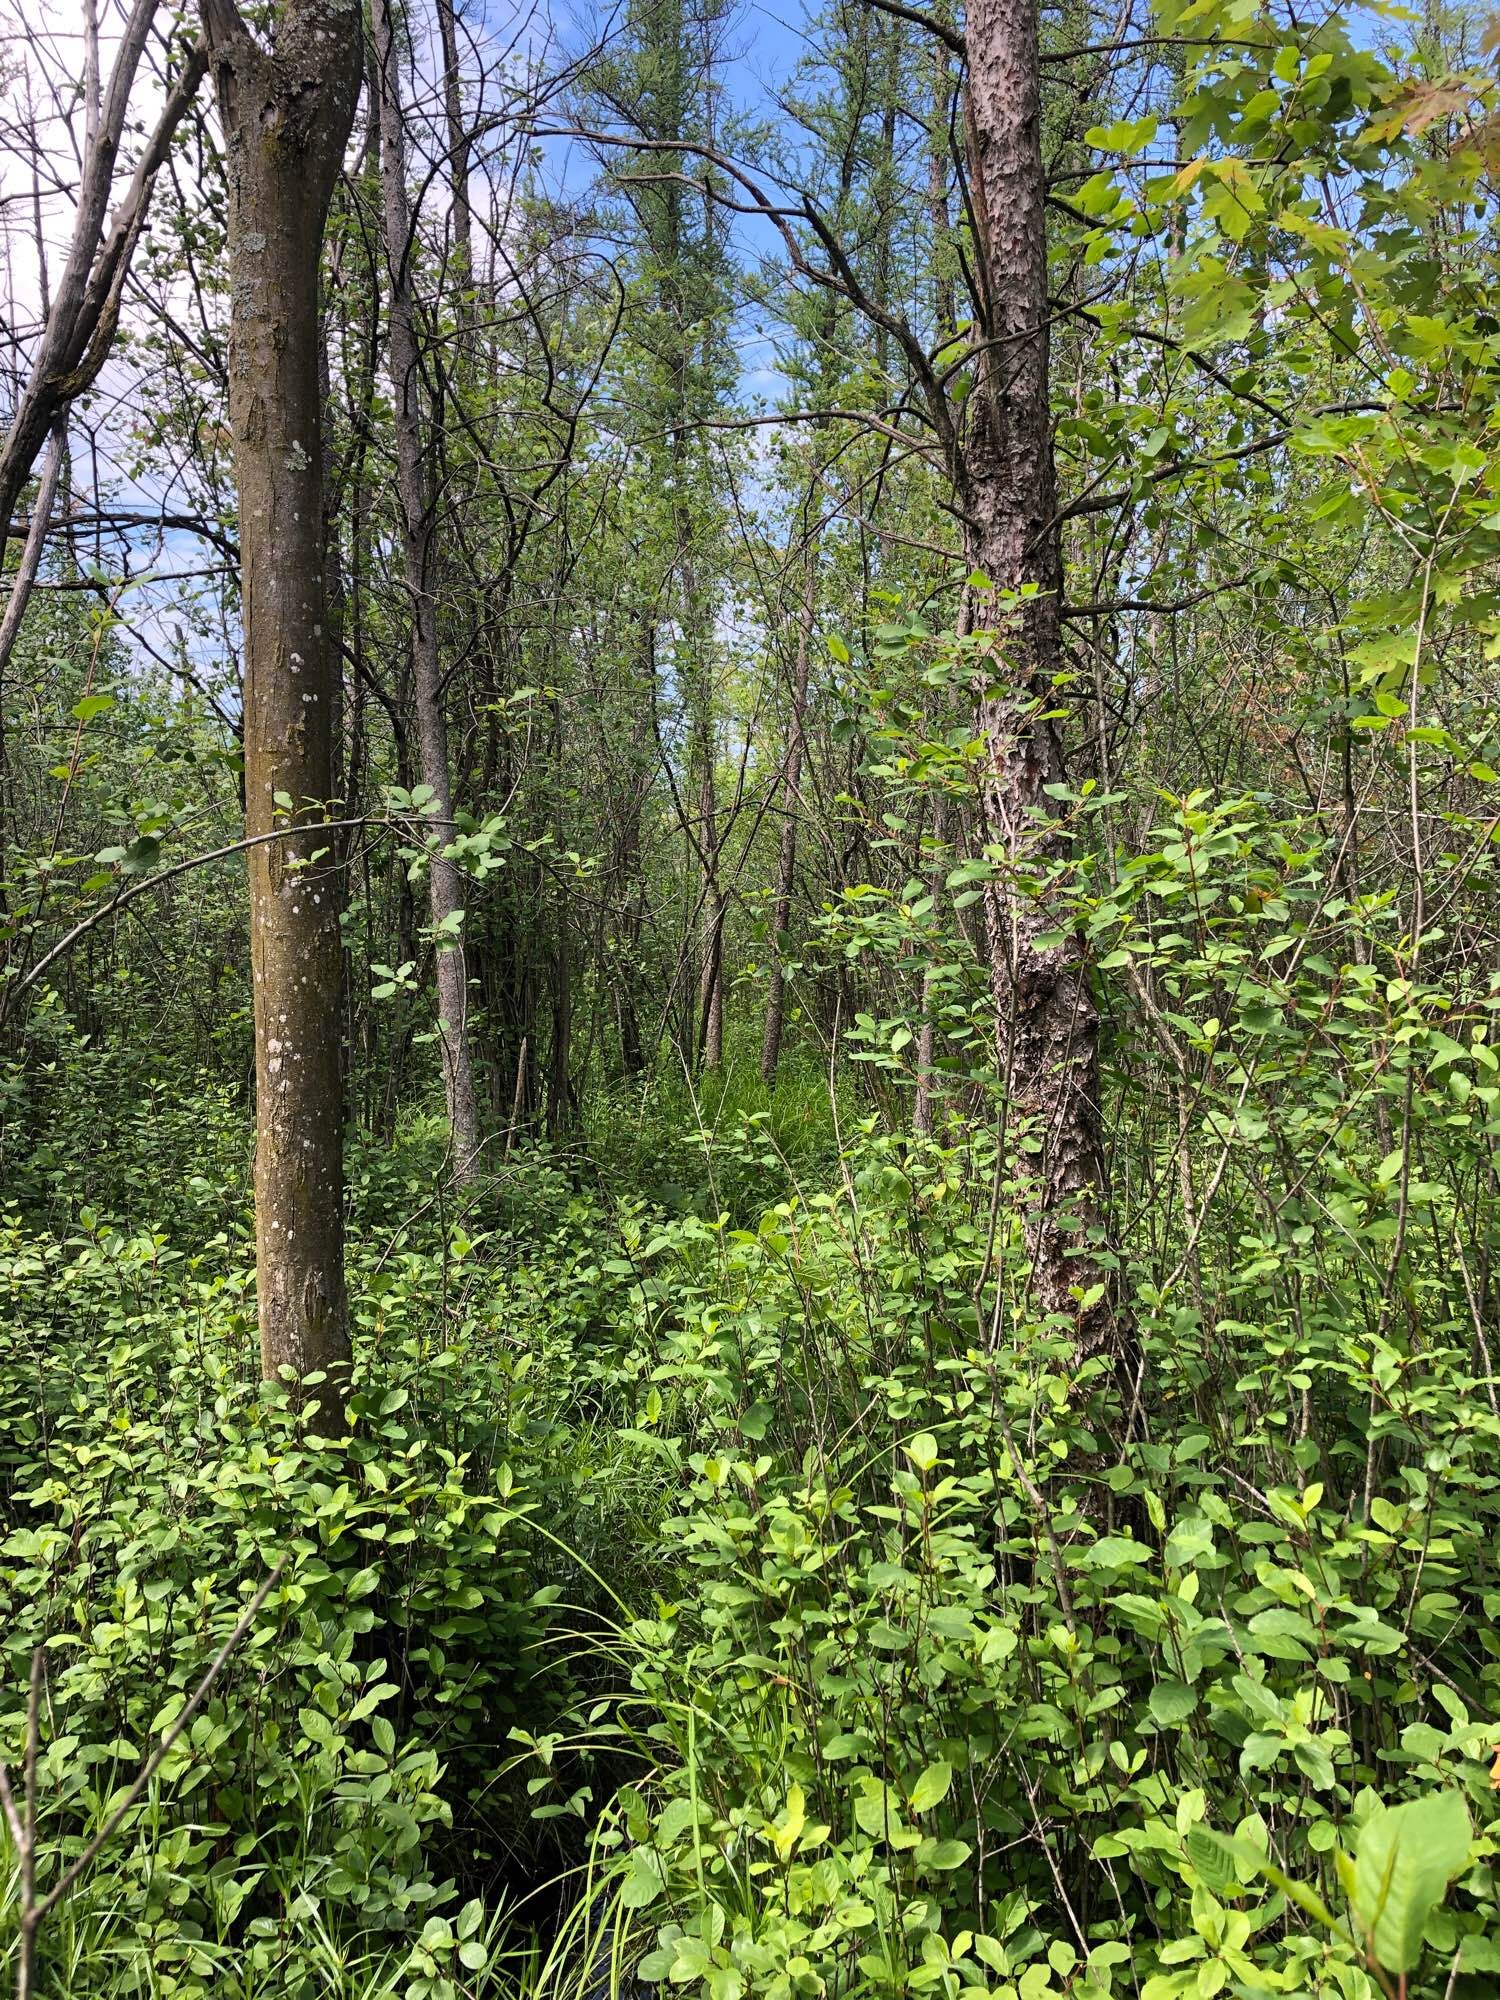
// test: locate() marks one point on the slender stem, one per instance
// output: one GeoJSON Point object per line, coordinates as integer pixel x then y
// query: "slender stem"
{"type": "Point", "coordinates": [22, 1824]}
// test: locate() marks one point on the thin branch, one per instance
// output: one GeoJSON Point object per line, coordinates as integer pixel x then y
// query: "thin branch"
{"type": "Point", "coordinates": [116, 903]}
{"type": "Point", "coordinates": [950, 37]}
{"type": "Point", "coordinates": [169, 1736]}
{"type": "Point", "coordinates": [24, 581]}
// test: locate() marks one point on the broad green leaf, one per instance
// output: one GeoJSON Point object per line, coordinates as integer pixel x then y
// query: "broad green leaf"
{"type": "Point", "coordinates": [922, 1451]}
{"type": "Point", "coordinates": [1171, 1702]}
{"type": "Point", "coordinates": [932, 1787]}
{"type": "Point", "coordinates": [1404, 1860]}
{"type": "Point", "coordinates": [644, 1880]}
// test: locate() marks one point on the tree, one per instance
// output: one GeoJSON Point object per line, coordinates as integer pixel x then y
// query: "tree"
{"type": "Point", "coordinates": [661, 85]}
{"type": "Point", "coordinates": [786, 845]}
{"type": "Point", "coordinates": [994, 447]}
{"type": "Point", "coordinates": [83, 314]}
{"type": "Point", "coordinates": [287, 110]}
{"type": "Point", "coordinates": [1046, 1016]}
{"type": "Point", "coordinates": [417, 503]}
{"type": "Point", "coordinates": [80, 320]}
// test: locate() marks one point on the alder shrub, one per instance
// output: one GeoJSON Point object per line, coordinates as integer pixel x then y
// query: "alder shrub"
{"type": "Point", "coordinates": [750, 1600]}
{"type": "Point", "coordinates": [978, 1680]}
{"type": "Point", "coordinates": [955, 1693]}
{"type": "Point", "coordinates": [307, 1816]}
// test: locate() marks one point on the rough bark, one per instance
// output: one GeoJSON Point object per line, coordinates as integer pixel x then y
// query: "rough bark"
{"type": "Point", "coordinates": [414, 491]}
{"type": "Point", "coordinates": [1047, 1020]}
{"type": "Point", "coordinates": [286, 113]}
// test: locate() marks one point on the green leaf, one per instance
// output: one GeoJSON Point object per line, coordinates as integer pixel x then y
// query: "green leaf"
{"type": "Point", "coordinates": [1110, 1552]}
{"type": "Point", "coordinates": [1403, 1862]}
{"type": "Point", "coordinates": [788, 1831]}
{"type": "Point", "coordinates": [1222, 1861]}
{"type": "Point", "coordinates": [932, 1787]}
{"type": "Point", "coordinates": [1213, 1857]}
{"type": "Point", "coordinates": [140, 855]}
{"type": "Point", "coordinates": [1280, 1634]}
{"type": "Point", "coordinates": [644, 1880]}
{"type": "Point", "coordinates": [1314, 1762]}
{"type": "Point", "coordinates": [1217, 307]}
{"type": "Point", "coordinates": [875, 1810]}
{"type": "Point", "coordinates": [1171, 1702]}
{"type": "Point", "coordinates": [922, 1451]}
{"type": "Point", "coordinates": [943, 1854]}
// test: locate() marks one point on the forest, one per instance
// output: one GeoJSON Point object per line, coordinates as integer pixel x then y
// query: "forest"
{"type": "Point", "coordinates": [749, 1000]}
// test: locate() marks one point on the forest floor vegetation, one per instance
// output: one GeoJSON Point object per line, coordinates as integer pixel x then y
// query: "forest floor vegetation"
{"type": "Point", "coordinates": [705, 1594]}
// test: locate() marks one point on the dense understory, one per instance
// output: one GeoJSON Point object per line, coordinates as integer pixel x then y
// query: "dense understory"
{"type": "Point", "coordinates": [749, 1069]}
{"type": "Point", "coordinates": [706, 1589]}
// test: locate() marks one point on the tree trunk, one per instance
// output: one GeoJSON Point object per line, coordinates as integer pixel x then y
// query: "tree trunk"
{"type": "Point", "coordinates": [786, 855]}
{"type": "Point", "coordinates": [696, 670]}
{"type": "Point", "coordinates": [460, 149]}
{"type": "Point", "coordinates": [1047, 1020]}
{"type": "Point", "coordinates": [560, 1095]}
{"type": "Point", "coordinates": [286, 115]}
{"type": "Point", "coordinates": [711, 982]}
{"type": "Point", "coordinates": [414, 489]}
{"type": "Point", "coordinates": [81, 319]}
{"type": "Point", "coordinates": [632, 880]}
{"type": "Point", "coordinates": [944, 306]}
